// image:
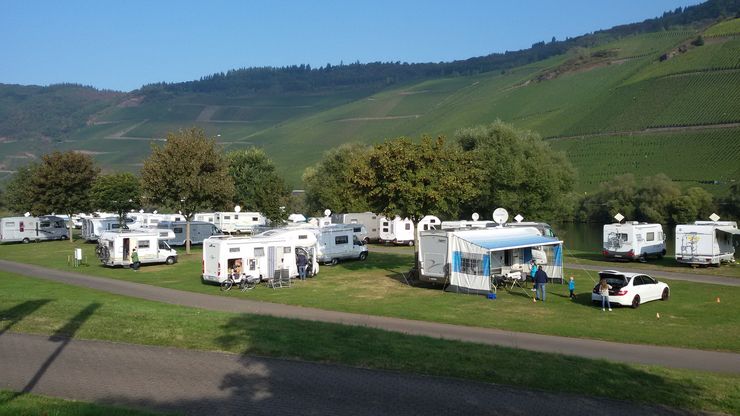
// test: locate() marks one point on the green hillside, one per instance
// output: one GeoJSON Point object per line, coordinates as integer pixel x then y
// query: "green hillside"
{"type": "Point", "coordinates": [644, 103]}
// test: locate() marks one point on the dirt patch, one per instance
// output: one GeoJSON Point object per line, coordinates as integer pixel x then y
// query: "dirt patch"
{"type": "Point", "coordinates": [379, 118]}
{"type": "Point", "coordinates": [131, 102]}
{"type": "Point", "coordinates": [413, 92]}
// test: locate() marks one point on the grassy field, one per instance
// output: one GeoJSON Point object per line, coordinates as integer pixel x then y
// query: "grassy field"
{"type": "Point", "coordinates": [726, 28]}
{"type": "Point", "coordinates": [376, 287]}
{"type": "Point", "coordinates": [14, 404]}
{"type": "Point", "coordinates": [50, 306]}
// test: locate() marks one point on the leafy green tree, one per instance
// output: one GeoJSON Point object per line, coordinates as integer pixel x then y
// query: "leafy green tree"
{"type": "Point", "coordinates": [188, 173]}
{"type": "Point", "coordinates": [62, 183]}
{"type": "Point", "coordinates": [117, 192]}
{"type": "Point", "coordinates": [401, 177]}
{"type": "Point", "coordinates": [329, 183]}
{"type": "Point", "coordinates": [612, 197]}
{"type": "Point", "coordinates": [520, 172]}
{"type": "Point", "coordinates": [19, 195]}
{"type": "Point", "coordinates": [655, 197]}
{"type": "Point", "coordinates": [259, 187]}
{"type": "Point", "coordinates": [694, 204]}
{"type": "Point", "coordinates": [729, 205]}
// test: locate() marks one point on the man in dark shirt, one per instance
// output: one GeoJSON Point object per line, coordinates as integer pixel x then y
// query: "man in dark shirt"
{"type": "Point", "coordinates": [302, 263]}
{"type": "Point", "coordinates": [541, 279]}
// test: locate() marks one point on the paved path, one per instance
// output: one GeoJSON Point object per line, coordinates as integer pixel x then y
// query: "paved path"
{"type": "Point", "coordinates": [209, 383]}
{"type": "Point", "coordinates": [723, 362]}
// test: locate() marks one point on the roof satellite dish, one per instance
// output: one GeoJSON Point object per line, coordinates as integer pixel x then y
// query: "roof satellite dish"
{"type": "Point", "coordinates": [475, 216]}
{"type": "Point", "coordinates": [141, 211]}
{"type": "Point", "coordinates": [619, 217]}
{"type": "Point", "coordinates": [237, 208]}
{"type": "Point", "coordinates": [327, 212]}
{"type": "Point", "coordinates": [500, 215]}
{"type": "Point", "coordinates": [714, 217]}
{"type": "Point", "coordinates": [154, 212]}
{"type": "Point", "coordinates": [27, 214]}
{"type": "Point", "coordinates": [518, 218]}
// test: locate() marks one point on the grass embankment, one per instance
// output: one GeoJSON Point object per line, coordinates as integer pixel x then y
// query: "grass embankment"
{"type": "Point", "coordinates": [40, 307]}
{"type": "Point", "coordinates": [14, 404]}
{"type": "Point", "coordinates": [691, 319]}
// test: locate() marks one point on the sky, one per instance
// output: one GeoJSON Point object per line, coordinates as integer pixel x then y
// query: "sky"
{"type": "Point", "coordinates": [123, 45]}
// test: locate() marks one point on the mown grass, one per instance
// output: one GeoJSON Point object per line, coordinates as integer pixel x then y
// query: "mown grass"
{"type": "Point", "coordinates": [49, 306]}
{"type": "Point", "coordinates": [15, 404]}
{"type": "Point", "coordinates": [376, 287]}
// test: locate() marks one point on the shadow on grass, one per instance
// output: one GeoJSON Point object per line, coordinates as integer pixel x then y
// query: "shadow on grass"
{"type": "Point", "coordinates": [18, 312]}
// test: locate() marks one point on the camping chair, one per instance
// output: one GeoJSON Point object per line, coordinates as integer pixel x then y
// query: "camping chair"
{"type": "Point", "coordinates": [275, 281]}
{"type": "Point", "coordinates": [284, 276]}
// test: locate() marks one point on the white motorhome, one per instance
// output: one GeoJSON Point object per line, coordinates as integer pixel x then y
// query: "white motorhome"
{"type": "Point", "coordinates": [368, 219]}
{"type": "Point", "coordinates": [472, 260]}
{"type": "Point", "coordinates": [396, 231]}
{"type": "Point", "coordinates": [27, 229]}
{"type": "Point", "coordinates": [466, 224]}
{"type": "Point", "coordinates": [544, 228]}
{"type": "Point", "coordinates": [115, 248]}
{"type": "Point", "coordinates": [303, 238]}
{"type": "Point", "coordinates": [338, 242]}
{"type": "Point", "coordinates": [92, 228]}
{"type": "Point", "coordinates": [633, 241]}
{"type": "Point", "coordinates": [253, 256]}
{"type": "Point", "coordinates": [706, 242]}
{"type": "Point", "coordinates": [238, 222]}
{"type": "Point", "coordinates": [144, 220]}
{"type": "Point", "coordinates": [199, 231]}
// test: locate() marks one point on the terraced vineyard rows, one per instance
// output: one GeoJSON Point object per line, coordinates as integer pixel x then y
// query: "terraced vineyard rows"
{"type": "Point", "coordinates": [726, 28]}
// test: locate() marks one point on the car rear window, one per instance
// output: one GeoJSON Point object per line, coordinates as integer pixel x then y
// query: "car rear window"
{"type": "Point", "coordinates": [614, 280]}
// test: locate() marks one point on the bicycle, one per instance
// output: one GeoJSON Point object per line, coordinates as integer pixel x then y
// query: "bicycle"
{"type": "Point", "coordinates": [243, 281]}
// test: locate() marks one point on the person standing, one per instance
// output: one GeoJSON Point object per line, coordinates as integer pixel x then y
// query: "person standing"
{"type": "Point", "coordinates": [541, 279]}
{"type": "Point", "coordinates": [135, 263]}
{"type": "Point", "coordinates": [302, 263]}
{"type": "Point", "coordinates": [604, 292]}
{"type": "Point", "coordinates": [533, 273]}
{"type": "Point", "coordinates": [572, 287]}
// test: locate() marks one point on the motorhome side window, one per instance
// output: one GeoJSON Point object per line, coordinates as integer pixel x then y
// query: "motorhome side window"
{"type": "Point", "coordinates": [177, 230]}
{"type": "Point", "coordinates": [236, 217]}
{"type": "Point", "coordinates": [341, 239]}
{"type": "Point", "coordinates": [303, 237]}
{"type": "Point", "coordinates": [226, 217]}
{"type": "Point", "coordinates": [408, 226]}
{"type": "Point", "coordinates": [10, 224]}
{"type": "Point", "coordinates": [58, 224]}
{"type": "Point", "coordinates": [233, 249]}
{"type": "Point", "coordinates": [623, 236]}
{"type": "Point", "coordinates": [259, 252]}
{"type": "Point", "coordinates": [650, 236]}
{"type": "Point", "coordinates": [286, 250]}
{"type": "Point", "coordinates": [45, 224]}
{"type": "Point", "coordinates": [255, 219]}
{"type": "Point", "coordinates": [357, 229]}
{"type": "Point", "coordinates": [143, 243]}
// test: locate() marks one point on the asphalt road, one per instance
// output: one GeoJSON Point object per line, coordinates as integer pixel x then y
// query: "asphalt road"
{"type": "Point", "coordinates": [723, 362]}
{"type": "Point", "coordinates": [210, 383]}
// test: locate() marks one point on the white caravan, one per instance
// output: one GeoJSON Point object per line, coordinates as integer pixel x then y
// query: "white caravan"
{"type": "Point", "coordinates": [429, 222]}
{"type": "Point", "coordinates": [252, 256]}
{"type": "Point", "coordinates": [339, 242]}
{"type": "Point", "coordinates": [396, 231]}
{"type": "Point", "coordinates": [633, 240]}
{"type": "Point", "coordinates": [368, 219]}
{"type": "Point", "coordinates": [706, 242]}
{"type": "Point", "coordinates": [115, 248]}
{"type": "Point", "coordinates": [92, 228]}
{"type": "Point", "coordinates": [544, 228]}
{"type": "Point", "coordinates": [238, 222]}
{"type": "Point", "coordinates": [466, 224]}
{"type": "Point", "coordinates": [27, 229]}
{"type": "Point", "coordinates": [199, 231]}
{"type": "Point", "coordinates": [143, 220]}
{"type": "Point", "coordinates": [473, 260]}
{"type": "Point", "coordinates": [303, 238]}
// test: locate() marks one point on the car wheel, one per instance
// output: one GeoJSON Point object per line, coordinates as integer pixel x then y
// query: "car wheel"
{"type": "Point", "coordinates": [666, 294]}
{"type": "Point", "coordinates": [363, 256]}
{"type": "Point", "coordinates": [26, 241]}
{"type": "Point", "coordinates": [170, 260]}
{"type": "Point", "coordinates": [636, 302]}
{"type": "Point", "coordinates": [334, 262]}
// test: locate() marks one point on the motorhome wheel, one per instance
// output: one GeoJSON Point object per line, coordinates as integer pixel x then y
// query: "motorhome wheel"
{"type": "Point", "coordinates": [26, 240]}
{"type": "Point", "coordinates": [411, 243]}
{"type": "Point", "coordinates": [170, 260]}
{"type": "Point", "coordinates": [334, 262]}
{"type": "Point", "coordinates": [363, 255]}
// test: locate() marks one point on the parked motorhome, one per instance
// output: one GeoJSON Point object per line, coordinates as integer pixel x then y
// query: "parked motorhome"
{"type": "Point", "coordinates": [543, 227]}
{"type": "Point", "coordinates": [396, 231]}
{"type": "Point", "coordinates": [144, 220]}
{"type": "Point", "coordinates": [472, 260]}
{"type": "Point", "coordinates": [238, 222]}
{"type": "Point", "coordinates": [706, 242]}
{"type": "Point", "coordinates": [205, 217]}
{"type": "Point", "coordinates": [304, 238]}
{"type": "Point", "coordinates": [633, 241]}
{"type": "Point", "coordinates": [338, 242]}
{"type": "Point", "coordinates": [466, 224]}
{"type": "Point", "coordinates": [27, 229]}
{"type": "Point", "coordinates": [199, 231]}
{"type": "Point", "coordinates": [368, 219]}
{"type": "Point", "coordinates": [115, 248]}
{"type": "Point", "coordinates": [92, 228]}
{"type": "Point", "coordinates": [253, 256]}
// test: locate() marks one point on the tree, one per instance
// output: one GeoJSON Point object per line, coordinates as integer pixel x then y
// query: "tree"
{"type": "Point", "coordinates": [188, 173]}
{"type": "Point", "coordinates": [655, 197]}
{"type": "Point", "coordinates": [118, 192]}
{"type": "Point", "coordinates": [612, 197]}
{"type": "Point", "coordinates": [329, 184]}
{"type": "Point", "coordinates": [62, 183]}
{"type": "Point", "coordinates": [19, 194]}
{"type": "Point", "coordinates": [520, 172]}
{"type": "Point", "coordinates": [400, 177]}
{"type": "Point", "coordinates": [258, 185]}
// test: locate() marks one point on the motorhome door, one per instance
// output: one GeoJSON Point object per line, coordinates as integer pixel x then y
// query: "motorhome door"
{"type": "Point", "coordinates": [126, 245]}
{"type": "Point", "coordinates": [434, 256]}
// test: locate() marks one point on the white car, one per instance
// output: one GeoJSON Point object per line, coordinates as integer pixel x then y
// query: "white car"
{"type": "Point", "coordinates": [631, 289]}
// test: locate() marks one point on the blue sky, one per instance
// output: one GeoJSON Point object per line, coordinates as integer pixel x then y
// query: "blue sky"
{"type": "Point", "coordinates": [124, 44]}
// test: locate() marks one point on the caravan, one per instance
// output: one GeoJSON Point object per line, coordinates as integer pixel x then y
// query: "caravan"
{"type": "Point", "coordinates": [236, 222]}
{"type": "Point", "coordinates": [706, 242]}
{"type": "Point", "coordinates": [473, 260]}
{"type": "Point", "coordinates": [396, 231]}
{"type": "Point", "coordinates": [262, 257]}
{"type": "Point", "coordinates": [92, 228]}
{"type": "Point", "coordinates": [115, 248]}
{"type": "Point", "coordinates": [27, 229]}
{"type": "Point", "coordinates": [303, 238]}
{"type": "Point", "coordinates": [633, 240]}
{"type": "Point", "coordinates": [199, 231]}
{"type": "Point", "coordinates": [368, 219]}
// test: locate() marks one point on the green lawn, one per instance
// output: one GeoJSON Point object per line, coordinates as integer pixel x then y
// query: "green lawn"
{"type": "Point", "coordinates": [40, 307]}
{"type": "Point", "coordinates": [14, 404]}
{"type": "Point", "coordinates": [376, 287]}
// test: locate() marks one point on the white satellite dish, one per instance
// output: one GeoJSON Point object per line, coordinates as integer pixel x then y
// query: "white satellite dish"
{"type": "Point", "coordinates": [327, 212]}
{"type": "Point", "coordinates": [714, 217]}
{"type": "Point", "coordinates": [619, 217]}
{"type": "Point", "coordinates": [500, 215]}
{"type": "Point", "coordinates": [237, 208]}
{"type": "Point", "coordinates": [475, 216]}
{"type": "Point", "coordinates": [518, 218]}
{"type": "Point", "coordinates": [27, 214]}
{"type": "Point", "coordinates": [141, 211]}
{"type": "Point", "coordinates": [154, 212]}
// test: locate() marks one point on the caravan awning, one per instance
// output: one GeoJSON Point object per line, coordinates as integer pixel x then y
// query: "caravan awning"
{"type": "Point", "coordinates": [729, 230]}
{"type": "Point", "coordinates": [509, 243]}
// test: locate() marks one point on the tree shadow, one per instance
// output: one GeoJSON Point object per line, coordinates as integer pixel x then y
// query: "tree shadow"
{"type": "Point", "coordinates": [16, 313]}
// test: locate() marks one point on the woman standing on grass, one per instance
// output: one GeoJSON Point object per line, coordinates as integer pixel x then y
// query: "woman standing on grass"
{"type": "Point", "coordinates": [604, 292]}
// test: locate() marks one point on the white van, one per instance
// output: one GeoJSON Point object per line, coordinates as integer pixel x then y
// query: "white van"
{"type": "Point", "coordinates": [27, 229]}
{"type": "Point", "coordinates": [115, 248]}
{"type": "Point", "coordinates": [633, 241]}
{"type": "Point", "coordinates": [338, 242]}
{"type": "Point", "coordinates": [706, 242]}
{"type": "Point", "coordinates": [252, 256]}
